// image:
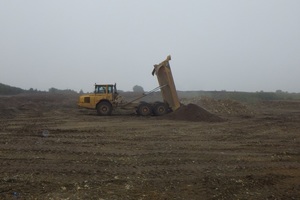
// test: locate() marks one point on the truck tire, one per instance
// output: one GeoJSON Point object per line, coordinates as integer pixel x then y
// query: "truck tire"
{"type": "Point", "coordinates": [104, 108]}
{"type": "Point", "coordinates": [160, 109]}
{"type": "Point", "coordinates": [144, 109]}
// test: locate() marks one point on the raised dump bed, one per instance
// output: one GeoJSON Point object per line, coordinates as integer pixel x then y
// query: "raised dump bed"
{"type": "Point", "coordinates": [166, 83]}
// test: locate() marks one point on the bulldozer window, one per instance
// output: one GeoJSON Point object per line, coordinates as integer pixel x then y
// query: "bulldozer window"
{"type": "Point", "coordinates": [110, 89]}
{"type": "Point", "coordinates": [100, 89]}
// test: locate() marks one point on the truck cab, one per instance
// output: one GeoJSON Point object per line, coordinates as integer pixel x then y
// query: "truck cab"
{"type": "Point", "coordinates": [103, 99]}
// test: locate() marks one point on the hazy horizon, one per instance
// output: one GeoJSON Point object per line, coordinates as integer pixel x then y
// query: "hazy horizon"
{"type": "Point", "coordinates": [228, 45]}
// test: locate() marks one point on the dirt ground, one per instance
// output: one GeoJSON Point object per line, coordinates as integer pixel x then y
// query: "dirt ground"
{"type": "Point", "coordinates": [50, 149]}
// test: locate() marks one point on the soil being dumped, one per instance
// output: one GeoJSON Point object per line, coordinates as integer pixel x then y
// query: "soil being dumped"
{"type": "Point", "coordinates": [194, 113]}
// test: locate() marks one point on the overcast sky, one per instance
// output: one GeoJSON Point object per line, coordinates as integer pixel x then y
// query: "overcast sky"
{"type": "Point", "coordinates": [233, 45]}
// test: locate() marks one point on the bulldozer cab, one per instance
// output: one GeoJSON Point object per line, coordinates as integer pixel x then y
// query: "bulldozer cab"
{"type": "Point", "coordinates": [107, 92]}
{"type": "Point", "coordinates": [104, 89]}
{"type": "Point", "coordinates": [104, 92]}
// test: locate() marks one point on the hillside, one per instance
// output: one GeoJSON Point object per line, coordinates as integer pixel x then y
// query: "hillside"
{"type": "Point", "coordinates": [9, 90]}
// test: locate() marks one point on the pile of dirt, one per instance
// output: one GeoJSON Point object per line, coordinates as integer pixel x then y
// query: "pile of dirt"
{"type": "Point", "coordinates": [194, 113]}
{"type": "Point", "coordinates": [222, 106]}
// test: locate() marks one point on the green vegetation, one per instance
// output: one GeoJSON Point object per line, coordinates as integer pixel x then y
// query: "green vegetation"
{"type": "Point", "coordinates": [10, 90]}
{"type": "Point", "coordinates": [67, 91]}
{"type": "Point", "coordinates": [138, 88]}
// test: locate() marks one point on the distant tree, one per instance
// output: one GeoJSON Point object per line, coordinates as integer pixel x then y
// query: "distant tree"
{"type": "Point", "coordinates": [138, 88]}
{"type": "Point", "coordinates": [31, 90]}
{"type": "Point", "coordinates": [81, 91]}
{"type": "Point", "coordinates": [266, 96]}
{"type": "Point", "coordinates": [59, 91]}
{"type": "Point", "coordinates": [53, 90]}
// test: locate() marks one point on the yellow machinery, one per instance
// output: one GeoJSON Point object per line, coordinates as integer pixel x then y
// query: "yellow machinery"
{"type": "Point", "coordinates": [166, 82]}
{"type": "Point", "coordinates": [105, 97]}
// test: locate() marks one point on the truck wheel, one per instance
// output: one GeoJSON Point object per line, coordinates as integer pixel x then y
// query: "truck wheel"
{"type": "Point", "coordinates": [144, 109]}
{"type": "Point", "coordinates": [104, 108]}
{"type": "Point", "coordinates": [160, 109]}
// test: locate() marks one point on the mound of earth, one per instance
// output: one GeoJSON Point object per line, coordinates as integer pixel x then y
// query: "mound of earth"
{"type": "Point", "coordinates": [222, 106]}
{"type": "Point", "coordinates": [194, 113]}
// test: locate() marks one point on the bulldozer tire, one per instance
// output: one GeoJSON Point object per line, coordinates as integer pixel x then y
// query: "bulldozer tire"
{"type": "Point", "coordinates": [144, 109]}
{"type": "Point", "coordinates": [104, 109]}
{"type": "Point", "coordinates": [160, 109]}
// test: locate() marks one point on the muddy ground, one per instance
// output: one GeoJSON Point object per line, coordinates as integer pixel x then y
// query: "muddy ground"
{"type": "Point", "coordinates": [49, 149]}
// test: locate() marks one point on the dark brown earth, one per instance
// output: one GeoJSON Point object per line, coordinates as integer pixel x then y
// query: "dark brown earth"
{"type": "Point", "coordinates": [193, 113]}
{"type": "Point", "coordinates": [49, 149]}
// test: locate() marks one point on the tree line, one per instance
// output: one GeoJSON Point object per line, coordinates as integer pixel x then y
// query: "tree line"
{"type": "Point", "coordinates": [10, 90]}
{"type": "Point", "coordinates": [239, 96]}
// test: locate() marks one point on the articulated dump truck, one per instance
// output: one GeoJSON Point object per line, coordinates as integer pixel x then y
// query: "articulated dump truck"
{"type": "Point", "coordinates": [105, 98]}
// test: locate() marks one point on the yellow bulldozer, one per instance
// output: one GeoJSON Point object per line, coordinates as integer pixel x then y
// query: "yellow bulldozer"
{"type": "Point", "coordinates": [106, 98]}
